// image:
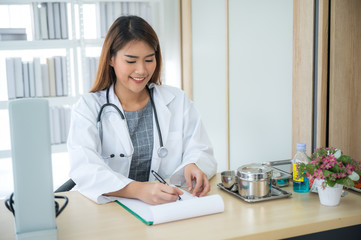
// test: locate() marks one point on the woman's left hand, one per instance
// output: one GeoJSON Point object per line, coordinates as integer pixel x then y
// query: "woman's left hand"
{"type": "Point", "coordinates": [193, 174]}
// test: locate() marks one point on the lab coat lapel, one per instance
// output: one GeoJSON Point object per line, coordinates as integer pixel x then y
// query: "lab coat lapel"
{"type": "Point", "coordinates": [161, 101]}
{"type": "Point", "coordinates": [116, 120]}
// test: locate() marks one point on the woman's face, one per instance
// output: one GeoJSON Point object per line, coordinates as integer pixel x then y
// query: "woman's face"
{"type": "Point", "coordinates": [134, 66]}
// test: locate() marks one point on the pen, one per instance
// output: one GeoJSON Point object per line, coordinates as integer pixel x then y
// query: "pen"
{"type": "Point", "coordinates": [160, 179]}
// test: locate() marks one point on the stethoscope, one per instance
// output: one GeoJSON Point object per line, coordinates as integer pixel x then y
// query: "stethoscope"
{"type": "Point", "coordinates": [162, 151]}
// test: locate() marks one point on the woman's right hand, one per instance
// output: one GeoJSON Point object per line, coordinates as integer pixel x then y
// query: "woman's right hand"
{"type": "Point", "coordinates": [158, 193]}
{"type": "Point", "coordinates": [150, 192]}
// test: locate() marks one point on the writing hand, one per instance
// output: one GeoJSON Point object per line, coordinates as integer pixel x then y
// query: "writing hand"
{"type": "Point", "coordinates": [158, 193]}
{"type": "Point", "coordinates": [149, 192]}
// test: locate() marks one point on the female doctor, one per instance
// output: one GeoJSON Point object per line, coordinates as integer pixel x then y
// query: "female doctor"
{"type": "Point", "coordinates": [129, 124]}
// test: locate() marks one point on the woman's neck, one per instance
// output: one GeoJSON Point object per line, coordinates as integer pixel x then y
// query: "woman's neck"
{"type": "Point", "coordinates": [131, 101]}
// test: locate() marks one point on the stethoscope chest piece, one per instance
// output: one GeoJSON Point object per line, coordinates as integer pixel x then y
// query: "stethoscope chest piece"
{"type": "Point", "coordinates": [162, 152]}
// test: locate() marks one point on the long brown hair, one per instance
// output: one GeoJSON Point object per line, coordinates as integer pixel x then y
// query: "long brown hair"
{"type": "Point", "coordinates": [123, 30]}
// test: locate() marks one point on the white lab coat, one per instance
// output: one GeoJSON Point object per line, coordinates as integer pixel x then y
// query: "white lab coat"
{"type": "Point", "coordinates": [182, 130]}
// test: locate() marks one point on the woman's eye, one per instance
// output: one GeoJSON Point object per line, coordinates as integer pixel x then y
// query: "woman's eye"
{"type": "Point", "coordinates": [149, 60]}
{"type": "Point", "coordinates": [130, 61]}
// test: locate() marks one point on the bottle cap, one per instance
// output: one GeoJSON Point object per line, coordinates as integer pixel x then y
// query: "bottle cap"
{"type": "Point", "coordinates": [301, 146]}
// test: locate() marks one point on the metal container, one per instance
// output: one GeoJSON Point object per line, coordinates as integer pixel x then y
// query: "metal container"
{"type": "Point", "coordinates": [280, 178]}
{"type": "Point", "coordinates": [254, 181]}
{"type": "Point", "coordinates": [229, 180]}
{"type": "Point", "coordinates": [280, 175]}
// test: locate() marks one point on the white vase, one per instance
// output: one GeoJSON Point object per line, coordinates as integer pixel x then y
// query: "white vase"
{"type": "Point", "coordinates": [330, 196]}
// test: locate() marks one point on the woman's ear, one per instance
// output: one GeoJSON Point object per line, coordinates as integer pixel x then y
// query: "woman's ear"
{"type": "Point", "coordinates": [111, 61]}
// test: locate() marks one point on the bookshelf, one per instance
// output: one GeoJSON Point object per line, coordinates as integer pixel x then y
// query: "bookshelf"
{"type": "Point", "coordinates": [77, 47]}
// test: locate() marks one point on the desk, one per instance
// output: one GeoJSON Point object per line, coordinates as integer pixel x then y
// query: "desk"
{"type": "Point", "coordinates": [301, 214]}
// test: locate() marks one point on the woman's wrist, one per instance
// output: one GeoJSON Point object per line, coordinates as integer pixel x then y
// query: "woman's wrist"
{"type": "Point", "coordinates": [130, 191]}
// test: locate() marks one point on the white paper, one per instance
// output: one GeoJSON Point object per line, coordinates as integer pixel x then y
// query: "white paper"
{"type": "Point", "coordinates": [188, 207]}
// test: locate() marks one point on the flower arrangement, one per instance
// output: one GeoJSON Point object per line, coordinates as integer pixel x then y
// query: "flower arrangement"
{"type": "Point", "coordinates": [330, 165]}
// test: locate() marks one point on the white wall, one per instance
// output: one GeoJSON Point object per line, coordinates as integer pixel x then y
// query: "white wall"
{"type": "Point", "coordinates": [209, 72]}
{"type": "Point", "coordinates": [260, 80]}
{"type": "Point", "coordinates": [166, 24]}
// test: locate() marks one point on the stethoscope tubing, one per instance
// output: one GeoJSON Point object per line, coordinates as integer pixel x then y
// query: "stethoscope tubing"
{"type": "Point", "coordinates": [162, 151]}
{"type": "Point", "coordinates": [110, 105]}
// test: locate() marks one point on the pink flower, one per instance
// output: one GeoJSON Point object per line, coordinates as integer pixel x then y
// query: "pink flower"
{"type": "Point", "coordinates": [324, 165]}
{"type": "Point", "coordinates": [349, 169]}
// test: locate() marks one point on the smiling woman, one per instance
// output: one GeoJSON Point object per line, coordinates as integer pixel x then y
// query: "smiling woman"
{"type": "Point", "coordinates": [83, 20]}
{"type": "Point", "coordinates": [134, 65]}
{"type": "Point", "coordinates": [112, 143]}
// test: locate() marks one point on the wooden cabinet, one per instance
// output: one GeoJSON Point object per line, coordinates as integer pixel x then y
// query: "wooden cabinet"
{"type": "Point", "coordinates": [331, 55]}
{"type": "Point", "coordinates": [344, 129]}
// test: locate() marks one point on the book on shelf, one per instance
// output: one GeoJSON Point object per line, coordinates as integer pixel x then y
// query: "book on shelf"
{"type": "Point", "coordinates": [67, 117]}
{"type": "Point", "coordinates": [45, 79]}
{"type": "Point", "coordinates": [52, 125]}
{"type": "Point", "coordinates": [56, 125]}
{"type": "Point", "coordinates": [88, 70]}
{"type": "Point", "coordinates": [50, 17]}
{"type": "Point", "coordinates": [103, 19]}
{"type": "Point", "coordinates": [50, 20]}
{"type": "Point", "coordinates": [93, 62]}
{"type": "Point", "coordinates": [12, 34]}
{"type": "Point", "coordinates": [38, 78]}
{"type": "Point", "coordinates": [91, 70]}
{"type": "Point", "coordinates": [64, 68]}
{"type": "Point", "coordinates": [64, 20]}
{"type": "Point", "coordinates": [19, 82]}
{"type": "Point", "coordinates": [43, 15]}
{"type": "Point", "coordinates": [31, 79]}
{"type": "Point", "coordinates": [51, 71]}
{"type": "Point", "coordinates": [12, 31]}
{"type": "Point", "coordinates": [132, 8]}
{"type": "Point", "coordinates": [58, 76]}
{"type": "Point", "coordinates": [10, 78]}
{"type": "Point", "coordinates": [64, 122]}
{"type": "Point", "coordinates": [124, 8]}
{"type": "Point", "coordinates": [26, 79]}
{"type": "Point", "coordinates": [109, 14]}
{"type": "Point", "coordinates": [57, 22]}
{"type": "Point", "coordinates": [146, 13]}
{"type": "Point", "coordinates": [96, 64]}
{"type": "Point", "coordinates": [59, 123]}
{"type": "Point", "coordinates": [35, 20]}
{"type": "Point", "coordinates": [117, 9]}
{"type": "Point", "coordinates": [110, 11]}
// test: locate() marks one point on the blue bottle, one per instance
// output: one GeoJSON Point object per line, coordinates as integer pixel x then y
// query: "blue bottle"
{"type": "Point", "coordinates": [300, 185]}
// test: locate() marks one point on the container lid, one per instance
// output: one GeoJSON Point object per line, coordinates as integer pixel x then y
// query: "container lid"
{"type": "Point", "coordinates": [279, 174]}
{"type": "Point", "coordinates": [301, 146]}
{"type": "Point", "coordinates": [254, 172]}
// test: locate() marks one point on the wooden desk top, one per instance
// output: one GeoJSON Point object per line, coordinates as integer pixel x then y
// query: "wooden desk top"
{"type": "Point", "coordinates": [300, 214]}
